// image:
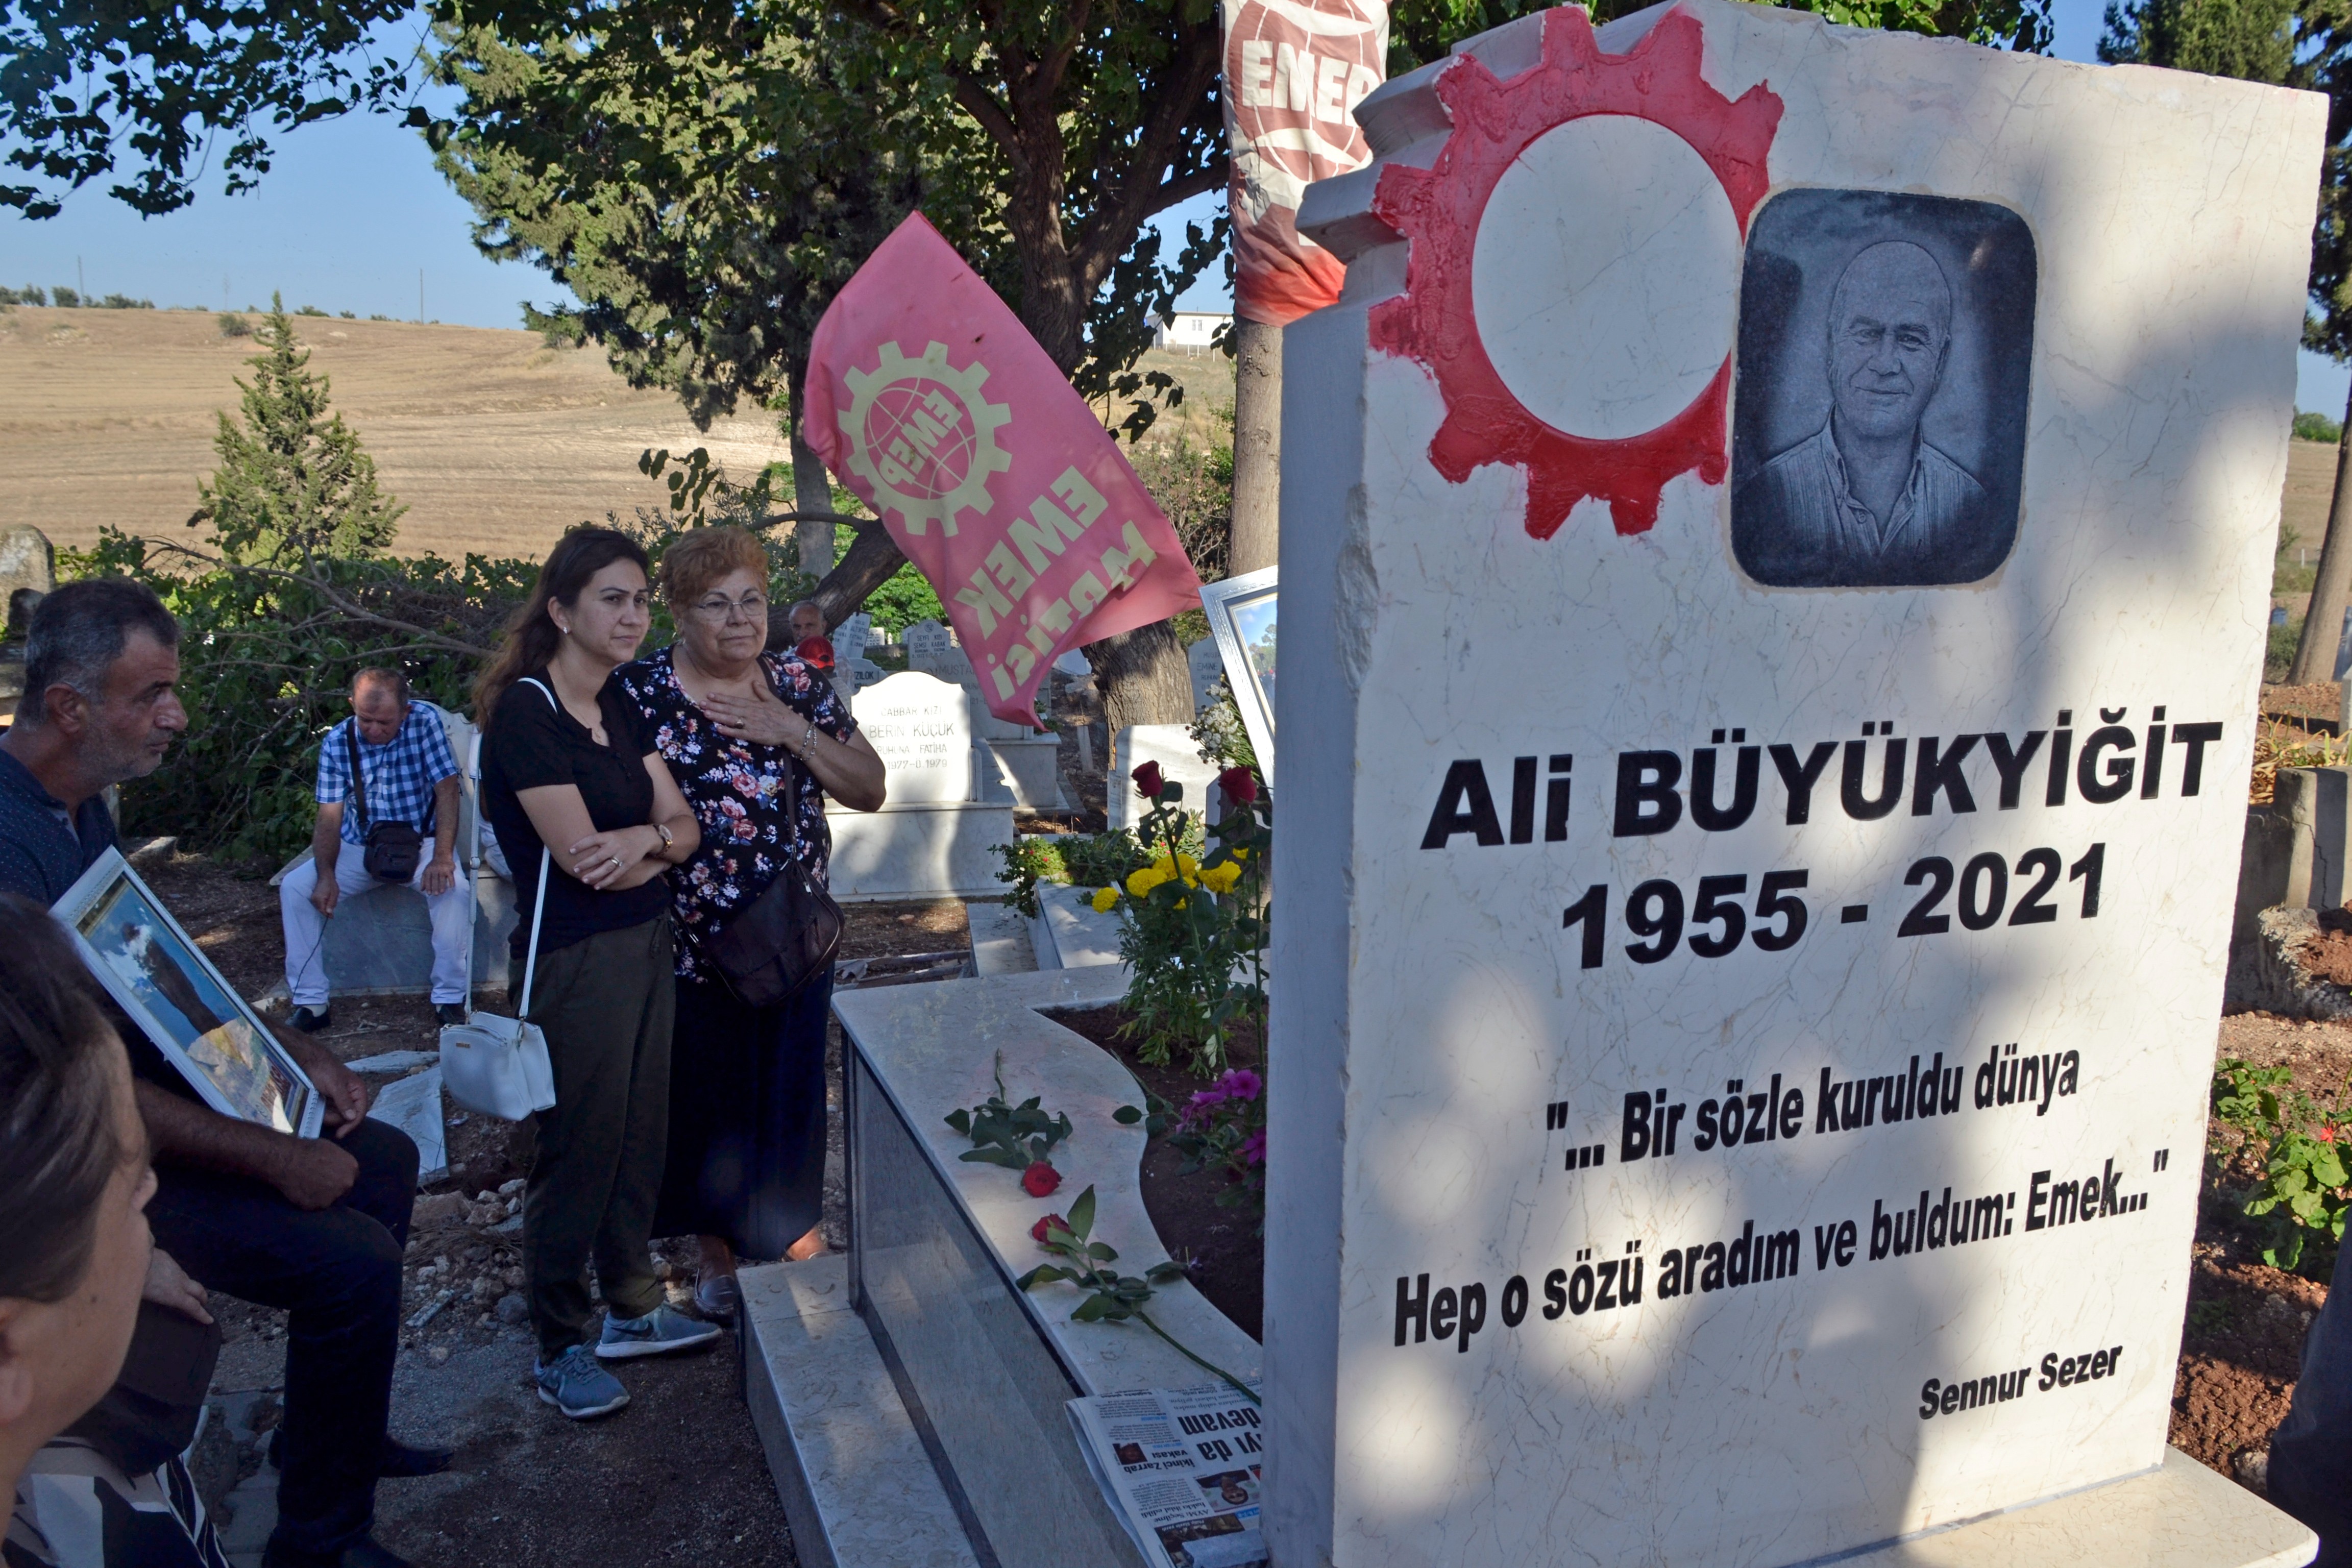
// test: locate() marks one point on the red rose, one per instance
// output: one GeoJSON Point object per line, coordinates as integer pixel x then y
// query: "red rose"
{"type": "Point", "coordinates": [1040, 1178]}
{"type": "Point", "coordinates": [1149, 781]}
{"type": "Point", "coordinates": [1037, 1232]}
{"type": "Point", "coordinates": [1239, 784]}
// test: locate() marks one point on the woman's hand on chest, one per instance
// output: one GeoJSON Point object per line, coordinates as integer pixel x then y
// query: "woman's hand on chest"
{"type": "Point", "coordinates": [753, 712]}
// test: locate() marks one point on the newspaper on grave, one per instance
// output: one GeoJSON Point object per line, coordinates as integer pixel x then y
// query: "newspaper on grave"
{"type": "Point", "coordinates": [1180, 1470]}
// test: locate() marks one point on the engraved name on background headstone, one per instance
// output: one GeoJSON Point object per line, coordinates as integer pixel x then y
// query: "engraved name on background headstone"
{"type": "Point", "coordinates": [920, 726]}
{"type": "Point", "coordinates": [927, 639]}
{"type": "Point", "coordinates": [1206, 665]}
{"type": "Point", "coordinates": [1775, 548]}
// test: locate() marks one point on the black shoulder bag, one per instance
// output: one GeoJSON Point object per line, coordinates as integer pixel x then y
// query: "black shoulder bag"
{"type": "Point", "coordinates": [389, 850]}
{"type": "Point", "coordinates": [770, 951]}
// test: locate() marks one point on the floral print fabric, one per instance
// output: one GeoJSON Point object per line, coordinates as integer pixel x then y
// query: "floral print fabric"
{"type": "Point", "coordinates": [738, 792]}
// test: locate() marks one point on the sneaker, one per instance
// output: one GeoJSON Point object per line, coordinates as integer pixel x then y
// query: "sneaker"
{"type": "Point", "coordinates": [576, 1386]}
{"type": "Point", "coordinates": [718, 1297]}
{"type": "Point", "coordinates": [658, 1332]}
{"type": "Point", "coordinates": [310, 1020]}
{"type": "Point", "coordinates": [449, 1012]}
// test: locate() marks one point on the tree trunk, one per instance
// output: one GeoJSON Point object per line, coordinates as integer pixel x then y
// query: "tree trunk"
{"type": "Point", "coordinates": [1257, 447]}
{"type": "Point", "coordinates": [812, 487]}
{"type": "Point", "coordinates": [1142, 677]}
{"type": "Point", "coordinates": [2323, 625]}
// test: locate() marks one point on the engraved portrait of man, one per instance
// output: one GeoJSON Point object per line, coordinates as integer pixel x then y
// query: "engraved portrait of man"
{"type": "Point", "coordinates": [1881, 389]}
{"type": "Point", "coordinates": [1866, 499]}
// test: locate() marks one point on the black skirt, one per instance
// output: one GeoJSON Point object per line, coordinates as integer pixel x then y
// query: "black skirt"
{"type": "Point", "coordinates": [746, 1118]}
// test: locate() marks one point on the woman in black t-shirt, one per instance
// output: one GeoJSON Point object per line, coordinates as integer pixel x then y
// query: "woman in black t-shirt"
{"type": "Point", "coordinates": [566, 769]}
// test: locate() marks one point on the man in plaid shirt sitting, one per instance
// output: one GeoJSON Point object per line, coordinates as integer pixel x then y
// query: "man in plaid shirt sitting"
{"type": "Point", "coordinates": [407, 774]}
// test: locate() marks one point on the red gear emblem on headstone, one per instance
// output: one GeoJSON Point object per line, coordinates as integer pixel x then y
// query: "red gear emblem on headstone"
{"type": "Point", "coordinates": [1439, 208]}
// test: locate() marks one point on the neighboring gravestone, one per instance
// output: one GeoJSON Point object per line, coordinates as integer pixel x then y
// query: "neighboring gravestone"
{"type": "Point", "coordinates": [1745, 1009]}
{"type": "Point", "coordinates": [851, 638]}
{"type": "Point", "coordinates": [1172, 747]}
{"type": "Point", "coordinates": [920, 727]}
{"type": "Point", "coordinates": [927, 639]}
{"type": "Point", "coordinates": [1207, 665]}
{"type": "Point", "coordinates": [933, 838]}
{"type": "Point", "coordinates": [29, 569]}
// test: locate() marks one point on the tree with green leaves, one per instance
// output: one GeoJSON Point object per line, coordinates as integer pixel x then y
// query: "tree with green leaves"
{"type": "Point", "coordinates": [294, 483]}
{"type": "Point", "coordinates": [2287, 43]}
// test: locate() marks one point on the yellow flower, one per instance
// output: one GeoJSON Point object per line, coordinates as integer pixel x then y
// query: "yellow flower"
{"type": "Point", "coordinates": [1106, 899]}
{"type": "Point", "coordinates": [1140, 883]}
{"type": "Point", "coordinates": [1187, 865]}
{"type": "Point", "coordinates": [1221, 879]}
{"type": "Point", "coordinates": [1241, 854]}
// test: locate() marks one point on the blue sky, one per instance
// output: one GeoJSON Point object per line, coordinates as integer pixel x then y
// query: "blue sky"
{"type": "Point", "coordinates": [353, 213]}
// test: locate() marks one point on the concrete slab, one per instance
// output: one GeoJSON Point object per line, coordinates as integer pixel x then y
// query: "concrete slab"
{"type": "Point", "coordinates": [919, 851]}
{"type": "Point", "coordinates": [1068, 932]}
{"type": "Point", "coordinates": [857, 1483]}
{"type": "Point", "coordinates": [999, 939]}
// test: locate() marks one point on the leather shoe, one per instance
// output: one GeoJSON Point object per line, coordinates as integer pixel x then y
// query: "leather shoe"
{"type": "Point", "coordinates": [399, 1461]}
{"type": "Point", "coordinates": [365, 1553]}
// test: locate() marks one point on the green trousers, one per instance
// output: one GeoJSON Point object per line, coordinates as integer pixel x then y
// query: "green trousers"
{"type": "Point", "coordinates": [605, 1005]}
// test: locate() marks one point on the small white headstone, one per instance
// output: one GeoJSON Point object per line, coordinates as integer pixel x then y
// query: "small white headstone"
{"type": "Point", "coordinates": [920, 726]}
{"type": "Point", "coordinates": [1207, 664]}
{"type": "Point", "coordinates": [1179, 760]}
{"type": "Point", "coordinates": [851, 638]}
{"type": "Point", "coordinates": [925, 639]}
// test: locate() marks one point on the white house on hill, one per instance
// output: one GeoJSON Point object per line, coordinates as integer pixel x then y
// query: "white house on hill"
{"type": "Point", "coordinates": [1190, 330]}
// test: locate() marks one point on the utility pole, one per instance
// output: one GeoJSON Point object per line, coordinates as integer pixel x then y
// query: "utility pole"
{"type": "Point", "coordinates": [420, 296]}
{"type": "Point", "coordinates": [81, 284]}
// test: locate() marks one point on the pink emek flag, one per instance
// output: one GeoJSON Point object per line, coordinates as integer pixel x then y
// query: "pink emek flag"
{"type": "Point", "coordinates": [931, 401]}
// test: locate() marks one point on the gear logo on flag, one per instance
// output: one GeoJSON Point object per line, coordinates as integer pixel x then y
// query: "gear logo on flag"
{"type": "Point", "coordinates": [921, 434]}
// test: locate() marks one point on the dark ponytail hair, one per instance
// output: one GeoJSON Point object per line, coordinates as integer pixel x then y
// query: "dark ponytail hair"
{"type": "Point", "coordinates": [531, 637]}
{"type": "Point", "coordinates": [59, 1144]}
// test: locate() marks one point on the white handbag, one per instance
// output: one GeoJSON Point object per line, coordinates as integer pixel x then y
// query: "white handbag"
{"type": "Point", "coordinates": [491, 1065]}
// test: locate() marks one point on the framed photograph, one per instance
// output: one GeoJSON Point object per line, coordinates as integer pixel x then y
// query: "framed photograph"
{"type": "Point", "coordinates": [162, 979]}
{"type": "Point", "coordinates": [1241, 616]}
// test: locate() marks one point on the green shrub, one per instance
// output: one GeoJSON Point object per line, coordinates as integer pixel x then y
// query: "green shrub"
{"type": "Point", "coordinates": [233, 326]}
{"type": "Point", "coordinates": [2317, 427]}
{"type": "Point", "coordinates": [2303, 1190]}
{"type": "Point", "coordinates": [1028, 860]}
{"type": "Point", "coordinates": [124, 302]}
{"type": "Point", "coordinates": [30, 294]}
{"type": "Point", "coordinates": [265, 664]}
{"type": "Point", "coordinates": [308, 310]}
{"type": "Point", "coordinates": [2279, 652]}
{"type": "Point", "coordinates": [64, 299]}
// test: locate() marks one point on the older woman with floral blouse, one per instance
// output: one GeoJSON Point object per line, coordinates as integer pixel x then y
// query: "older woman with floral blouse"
{"type": "Point", "coordinates": [756, 740]}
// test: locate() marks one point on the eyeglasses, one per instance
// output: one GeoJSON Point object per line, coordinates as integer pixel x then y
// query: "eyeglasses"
{"type": "Point", "coordinates": [719, 607]}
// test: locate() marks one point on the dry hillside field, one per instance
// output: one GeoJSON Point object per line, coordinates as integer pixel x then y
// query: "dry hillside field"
{"type": "Point", "coordinates": [495, 443]}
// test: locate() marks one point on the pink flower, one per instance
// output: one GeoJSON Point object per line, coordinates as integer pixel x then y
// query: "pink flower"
{"type": "Point", "coordinates": [1037, 1232]}
{"type": "Point", "coordinates": [741, 782]}
{"type": "Point", "coordinates": [745, 829]}
{"type": "Point", "coordinates": [1040, 1180]}
{"type": "Point", "coordinates": [1253, 1149]}
{"type": "Point", "coordinates": [1241, 1083]}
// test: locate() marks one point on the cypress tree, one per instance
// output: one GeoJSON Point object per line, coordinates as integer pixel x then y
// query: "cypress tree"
{"type": "Point", "coordinates": [293, 481]}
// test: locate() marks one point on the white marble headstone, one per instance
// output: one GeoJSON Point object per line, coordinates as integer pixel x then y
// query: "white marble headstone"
{"type": "Point", "coordinates": [927, 639]}
{"type": "Point", "coordinates": [1207, 665]}
{"type": "Point", "coordinates": [1683, 829]}
{"type": "Point", "coordinates": [920, 726]}
{"type": "Point", "coordinates": [851, 638]}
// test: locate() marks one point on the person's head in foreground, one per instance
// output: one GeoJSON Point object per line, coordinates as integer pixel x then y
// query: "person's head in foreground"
{"type": "Point", "coordinates": [74, 1185]}
{"type": "Point", "coordinates": [102, 661]}
{"type": "Point", "coordinates": [715, 581]}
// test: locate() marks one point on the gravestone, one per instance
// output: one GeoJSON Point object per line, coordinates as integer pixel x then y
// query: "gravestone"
{"type": "Point", "coordinates": [1743, 1057]}
{"type": "Point", "coordinates": [851, 638]}
{"type": "Point", "coordinates": [1207, 666]}
{"type": "Point", "coordinates": [29, 569]}
{"type": "Point", "coordinates": [945, 805]}
{"type": "Point", "coordinates": [926, 640]}
{"type": "Point", "coordinates": [1172, 747]}
{"type": "Point", "coordinates": [920, 726]}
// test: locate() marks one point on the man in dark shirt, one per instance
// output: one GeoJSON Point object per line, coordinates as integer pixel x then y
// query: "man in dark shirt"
{"type": "Point", "coordinates": [315, 1227]}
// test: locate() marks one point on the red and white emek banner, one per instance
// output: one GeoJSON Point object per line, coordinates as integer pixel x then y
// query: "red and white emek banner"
{"type": "Point", "coordinates": [1295, 71]}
